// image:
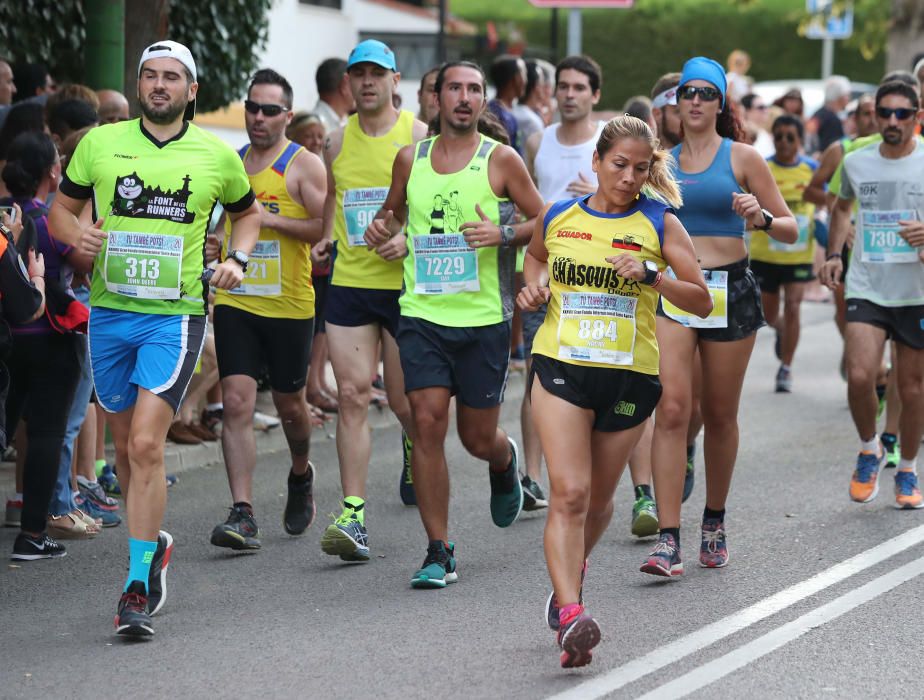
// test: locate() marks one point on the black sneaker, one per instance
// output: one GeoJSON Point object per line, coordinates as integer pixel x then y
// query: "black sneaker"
{"type": "Point", "coordinates": [28, 548]}
{"type": "Point", "coordinates": [132, 619]}
{"type": "Point", "coordinates": [239, 531]}
{"type": "Point", "coordinates": [506, 490]}
{"type": "Point", "coordinates": [157, 578]}
{"type": "Point", "coordinates": [300, 509]}
{"type": "Point", "coordinates": [408, 497]}
{"type": "Point", "coordinates": [533, 496]}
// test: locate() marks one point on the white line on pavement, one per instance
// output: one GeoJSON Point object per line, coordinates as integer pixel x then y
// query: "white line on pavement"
{"type": "Point", "coordinates": [727, 626]}
{"type": "Point", "coordinates": [724, 665]}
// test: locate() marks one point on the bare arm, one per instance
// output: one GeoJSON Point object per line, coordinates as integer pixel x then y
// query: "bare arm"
{"type": "Point", "coordinates": [838, 230]}
{"type": "Point", "coordinates": [309, 181]}
{"type": "Point", "coordinates": [764, 194]}
{"type": "Point", "coordinates": [321, 251]}
{"type": "Point", "coordinates": [689, 290]}
{"type": "Point", "coordinates": [535, 268]}
{"type": "Point", "coordinates": [815, 191]}
{"type": "Point", "coordinates": [63, 219]}
{"type": "Point", "coordinates": [245, 231]}
{"type": "Point", "coordinates": [532, 148]}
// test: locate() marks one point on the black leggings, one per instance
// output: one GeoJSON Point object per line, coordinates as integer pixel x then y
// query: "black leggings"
{"type": "Point", "coordinates": [44, 370]}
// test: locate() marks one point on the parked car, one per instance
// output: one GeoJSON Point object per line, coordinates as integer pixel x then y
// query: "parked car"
{"type": "Point", "coordinates": [813, 91]}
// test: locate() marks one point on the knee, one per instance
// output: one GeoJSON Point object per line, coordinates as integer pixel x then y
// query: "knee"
{"type": "Point", "coordinates": [720, 418]}
{"type": "Point", "coordinates": [911, 389]}
{"type": "Point", "coordinates": [673, 413]}
{"type": "Point", "coordinates": [860, 376]}
{"type": "Point", "coordinates": [428, 423]}
{"type": "Point", "coordinates": [145, 450]}
{"type": "Point", "coordinates": [479, 444]}
{"type": "Point", "coordinates": [236, 405]}
{"type": "Point", "coordinates": [571, 500]}
{"type": "Point", "coordinates": [352, 398]}
{"type": "Point", "coordinates": [599, 509]}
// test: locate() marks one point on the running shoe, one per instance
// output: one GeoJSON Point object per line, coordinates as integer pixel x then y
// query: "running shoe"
{"type": "Point", "coordinates": [106, 518]}
{"type": "Point", "coordinates": [644, 517]}
{"type": "Point", "coordinates": [239, 531]}
{"type": "Point", "coordinates": [13, 515]}
{"type": "Point", "coordinates": [713, 549]}
{"type": "Point", "coordinates": [506, 491]}
{"type": "Point", "coordinates": [108, 480]}
{"type": "Point", "coordinates": [406, 490]}
{"type": "Point", "coordinates": [864, 485]}
{"type": "Point", "coordinates": [28, 548]}
{"type": "Point", "coordinates": [533, 496]}
{"type": "Point", "coordinates": [132, 619]}
{"type": "Point", "coordinates": [577, 639]}
{"type": "Point", "coordinates": [438, 568]}
{"type": "Point", "coordinates": [157, 578]}
{"type": "Point", "coordinates": [551, 603]}
{"type": "Point", "coordinates": [346, 537]}
{"type": "Point", "coordinates": [94, 492]}
{"type": "Point", "coordinates": [689, 478]}
{"type": "Point", "coordinates": [907, 494]}
{"type": "Point", "coordinates": [300, 508]}
{"type": "Point", "coordinates": [892, 449]}
{"type": "Point", "coordinates": [783, 380]}
{"type": "Point", "coordinates": [264, 421]}
{"type": "Point", "coordinates": [664, 559]}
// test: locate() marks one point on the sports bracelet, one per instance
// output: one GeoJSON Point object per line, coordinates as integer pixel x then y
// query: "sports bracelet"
{"type": "Point", "coordinates": [832, 256]}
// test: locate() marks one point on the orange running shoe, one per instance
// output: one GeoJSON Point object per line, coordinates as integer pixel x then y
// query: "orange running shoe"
{"type": "Point", "coordinates": [864, 485]}
{"type": "Point", "coordinates": [907, 494]}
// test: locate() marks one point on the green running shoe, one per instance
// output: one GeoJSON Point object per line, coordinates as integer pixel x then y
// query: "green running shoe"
{"type": "Point", "coordinates": [439, 567]}
{"type": "Point", "coordinates": [644, 517]}
{"type": "Point", "coordinates": [346, 537]}
{"type": "Point", "coordinates": [892, 449]}
{"type": "Point", "coordinates": [506, 490]}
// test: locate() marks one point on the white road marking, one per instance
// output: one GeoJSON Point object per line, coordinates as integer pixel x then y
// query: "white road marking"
{"type": "Point", "coordinates": [710, 672]}
{"type": "Point", "coordinates": [727, 626]}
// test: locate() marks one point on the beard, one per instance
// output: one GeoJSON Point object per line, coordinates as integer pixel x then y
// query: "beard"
{"type": "Point", "coordinates": [666, 135]}
{"type": "Point", "coordinates": [166, 114]}
{"type": "Point", "coordinates": [892, 137]}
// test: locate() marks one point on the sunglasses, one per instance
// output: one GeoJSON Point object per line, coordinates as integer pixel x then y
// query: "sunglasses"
{"type": "Point", "coordinates": [902, 113]}
{"type": "Point", "coordinates": [789, 138]}
{"type": "Point", "coordinates": [706, 94]}
{"type": "Point", "coordinates": [268, 110]}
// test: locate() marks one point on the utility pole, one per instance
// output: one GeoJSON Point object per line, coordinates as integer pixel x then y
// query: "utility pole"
{"type": "Point", "coordinates": [105, 49]}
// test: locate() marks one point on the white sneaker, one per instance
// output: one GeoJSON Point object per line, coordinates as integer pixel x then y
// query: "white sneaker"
{"type": "Point", "coordinates": [264, 421]}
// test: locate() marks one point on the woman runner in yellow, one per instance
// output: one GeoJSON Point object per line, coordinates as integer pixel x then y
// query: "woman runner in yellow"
{"type": "Point", "coordinates": [598, 260]}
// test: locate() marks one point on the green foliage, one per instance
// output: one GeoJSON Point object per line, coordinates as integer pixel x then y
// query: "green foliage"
{"type": "Point", "coordinates": [636, 46]}
{"type": "Point", "coordinates": [39, 31]}
{"type": "Point", "coordinates": [224, 36]}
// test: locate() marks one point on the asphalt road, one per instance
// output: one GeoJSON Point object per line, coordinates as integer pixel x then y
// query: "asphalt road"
{"type": "Point", "coordinates": [788, 618]}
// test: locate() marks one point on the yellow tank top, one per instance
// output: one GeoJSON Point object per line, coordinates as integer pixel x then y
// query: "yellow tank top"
{"type": "Point", "coordinates": [792, 181]}
{"type": "Point", "coordinates": [596, 318]}
{"type": "Point", "coordinates": [278, 279]}
{"type": "Point", "coordinates": [362, 174]}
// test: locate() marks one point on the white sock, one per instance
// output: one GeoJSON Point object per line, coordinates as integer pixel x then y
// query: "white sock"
{"type": "Point", "coordinates": [214, 406]}
{"type": "Point", "coordinates": [908, 465]}
{"type": "Point", "coordinates": [84, 481]}
{"type": "Point", "coordinates": [785, 367]}
{"type": "Point", "coordinates": [871, 445]}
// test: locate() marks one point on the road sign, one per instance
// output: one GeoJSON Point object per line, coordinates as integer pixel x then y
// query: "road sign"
{"type": "Point", "coordinates": [575, 4]}
{"type": "Point", "coordinates": [826, 24]}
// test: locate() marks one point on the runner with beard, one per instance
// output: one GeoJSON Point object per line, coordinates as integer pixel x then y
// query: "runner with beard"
{"type": "Point", "coordinates": [154, 182]}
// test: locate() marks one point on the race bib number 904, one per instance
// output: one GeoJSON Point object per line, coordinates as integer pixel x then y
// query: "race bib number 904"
{"type": "Point", "coordinates": [144, 265]}
{"type": "Point", "coordinates": [359, 209]}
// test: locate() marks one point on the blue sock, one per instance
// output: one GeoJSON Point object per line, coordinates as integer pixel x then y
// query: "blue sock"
{"type": "Point", "coordinates": [140, 556]}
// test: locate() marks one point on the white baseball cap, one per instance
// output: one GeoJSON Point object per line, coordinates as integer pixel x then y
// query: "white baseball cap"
{"type": "Point", "coordinates": [175, 50]}
{"type": "Point", "coordinates": [169, 49]}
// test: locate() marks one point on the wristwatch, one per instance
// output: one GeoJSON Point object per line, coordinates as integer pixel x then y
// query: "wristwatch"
{"type": "Point", "coordinates": [768, 221]}
{"type": "Point", "coordinates": [507, 235]}
{"type": "Point", "coordinates": [238, 256]}
{"type": "Point", "coordinates": [651, 273]}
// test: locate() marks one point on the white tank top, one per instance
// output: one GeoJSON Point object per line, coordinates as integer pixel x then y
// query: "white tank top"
{"type": "Point", "coordinates": [557, 166]}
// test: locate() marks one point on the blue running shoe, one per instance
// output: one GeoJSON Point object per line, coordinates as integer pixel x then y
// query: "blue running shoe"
{"type": "Point", "coordinates": [907, 494]}
{"type": "Point", "coordinates": [108, 518]}
{"type": "Point", "coordinates": [507, 491]}
{"type": "Point", "coordinates": [664, 559]}
{"type": "Point", "coordinates": [864, 485]}
{"type": "Point", "coordinates": [713, 549]}
{"type": "Point", "coordinates": [108, 480]}
{"type": "Point", "coordinates": [551, 604]}
{"type": "Point", "coordinates": [439, 567]}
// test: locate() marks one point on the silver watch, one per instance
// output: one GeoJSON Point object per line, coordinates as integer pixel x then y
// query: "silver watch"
{"type": "Point", "coordinates": [507, 235]}
{"type": "Point", "coordinates": [238, 256]}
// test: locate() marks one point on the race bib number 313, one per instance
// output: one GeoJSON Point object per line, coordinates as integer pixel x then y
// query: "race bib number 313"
{"type": "Point", "coordinates": [144, 265]}
{"type": "Point", "coordinates": [597, 328]}
{"type": "Point", "coordinates": [444, 264]}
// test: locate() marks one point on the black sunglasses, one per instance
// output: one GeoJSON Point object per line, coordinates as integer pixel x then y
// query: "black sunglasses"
{"type": "Point", "coordinates": [781, 136]}
{"type": "Point", "coordinates": [902, 113]}
{"type": "Point", "coordinates": [706, 94]}
{"type": "Point", "coordinates": [268, 110]}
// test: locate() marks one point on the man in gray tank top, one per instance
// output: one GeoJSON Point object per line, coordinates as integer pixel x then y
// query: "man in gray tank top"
{"type": "Point", "coordinates": [885, 286]}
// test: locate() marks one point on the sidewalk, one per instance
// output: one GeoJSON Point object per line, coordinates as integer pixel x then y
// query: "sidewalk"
{"type": "Point", "coordinates": [182, 458]}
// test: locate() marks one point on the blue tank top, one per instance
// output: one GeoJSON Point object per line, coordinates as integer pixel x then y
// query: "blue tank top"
{"type": "Point", "coordinates": [707, 196]}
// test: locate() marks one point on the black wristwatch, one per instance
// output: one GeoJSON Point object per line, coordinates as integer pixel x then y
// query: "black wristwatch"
{"type": "Point", "coordinates": [507, 235]}
{"type": "Point", "coordinates": [238, 256]}
{"type": "Point", "coordinates": [651, 273]}
{"type": "Point", "coordinates": [768, 221]}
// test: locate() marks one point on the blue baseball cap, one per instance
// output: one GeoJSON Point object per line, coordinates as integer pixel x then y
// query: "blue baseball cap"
{"type": "Point", "coordinates": [372, 51]}
{"type": "Point", "coordinates": [702, 68]}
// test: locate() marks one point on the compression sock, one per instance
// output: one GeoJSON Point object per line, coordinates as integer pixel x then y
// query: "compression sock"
{"type": "Point", "coordinates": [358, 506]}
{"type": "Point", "coordinates": [140, 556]}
